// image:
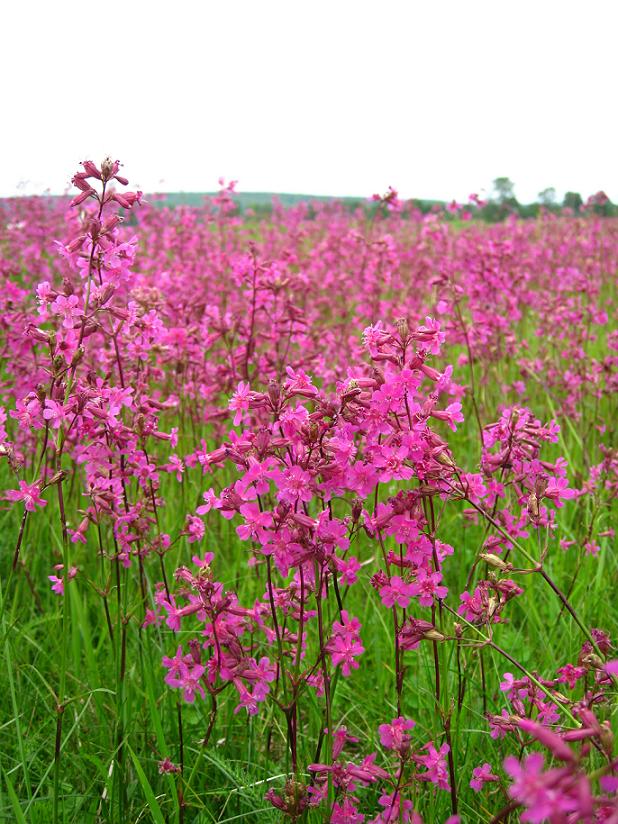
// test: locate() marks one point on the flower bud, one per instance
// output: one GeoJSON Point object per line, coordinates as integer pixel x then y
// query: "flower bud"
{"type": "Point", "coordinates": [38, 334]}
{"type": "Point", "coordinates": [77, 357]}
{"type": "Point", "coordinates": [607, 738]}
{"type": "Point", "coordinates": [433, 635]}
{"type": "Point", "coordinates": [57, 365]}
{"type": "Point", "coordinates": [445, 459]}
{"type": "Point", "coordinates": [57, 478]}
{"type": "Point", "coordinates": [495, 560]}
{"type": "Point", "coordinates": [274, 393]}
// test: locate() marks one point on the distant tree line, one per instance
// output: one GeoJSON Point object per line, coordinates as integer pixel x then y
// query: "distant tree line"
{"type": "Point", "coordinates": [497, 207]}
{"type": "Point", "coordinates": [503, 203]}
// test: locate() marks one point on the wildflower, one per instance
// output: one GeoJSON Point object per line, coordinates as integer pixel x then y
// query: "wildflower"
{"type": "Point", "coordinates": [210, 502]}
{"type": "Point", "coordinates": [435, 763]}
{"type": "Point", "coordinates": [184, 673]}
{"type": "Point", "coordinates": [397, 592]}
{"type": "Point", "coordinates": [394, 736]}
{"type": "Point", "coordinates": [58, 580]}
{"type": "Point", "coordinates": [481, 776]}
{"type": "Point", "coordinates": [545, 795]}
{"type": "Point", "coordinates": [239, 402]}
{"type": "Point", "coordinates": [167, 767]}
{"type": "Point", "coordinates": [256, 523]}
{"type": "Point", "coordinates": [345, 644]}
{"type": "Point", "coordinates": [427, 587]}
{"type": "Point", "coordinates": [194, 529]}
{"type": "Point", "coordinates": [30, 494]}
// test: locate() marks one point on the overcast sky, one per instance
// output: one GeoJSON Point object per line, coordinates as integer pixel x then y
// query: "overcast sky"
{"type": "Point", "coordinates": [435, 98]}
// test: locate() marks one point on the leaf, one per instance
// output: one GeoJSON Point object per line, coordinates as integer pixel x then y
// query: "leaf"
{"type": "Point", "coordinates": [153, 804]}
{"type": "Point", "coordinates": [19, 816]}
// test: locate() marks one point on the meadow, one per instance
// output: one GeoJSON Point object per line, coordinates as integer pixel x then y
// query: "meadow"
{"type": "Point", "coordinates": [305, 517]}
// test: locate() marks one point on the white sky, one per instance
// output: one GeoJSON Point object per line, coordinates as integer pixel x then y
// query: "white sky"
{"type": "Point", "coordinates": [435, 98]}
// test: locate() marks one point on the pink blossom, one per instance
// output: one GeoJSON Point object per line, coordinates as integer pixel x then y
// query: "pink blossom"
{"type": "Point", "coordinates": [397, 592]}
{"type": "Point", "coordinates": [394, 736]}
{"type": "Point", "coordinates": [58, 580]}
{"type": "Point", "coordinates": [435, 763]}
{"type": "Point", "coordinates": [28, 493]}
{"type": "Point", "coordinates": [239, 402]}
{"type": "Point", "coordinates": [481, 776]}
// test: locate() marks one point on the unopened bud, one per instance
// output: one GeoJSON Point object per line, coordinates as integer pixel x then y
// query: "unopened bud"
{"type": "Point", "coordinates": [139, 424]}
{"type": "Point", "coordinates": [90, 328]}
{"type": "Point", "coordinates": [445, 459]}
{"type": "Point", "coordinates": [274, 392]}
{"type": "Point", "coordinates": [38, 334]}
{"type": "Point", "coordinates": [106, 293]}
{"type": "Point", "coordinates": [607, 738]}
{"type": "Point", "coordinates": [57, 364]}
{"type": "Point", "coordinates": [433, 635]}
{"type": "Point", "coordinates": [495, 560]}
{"type": "Point", "coordinates": [349, 394]}
{"type": "Point", "coordinates": [57, 478]}
{"type": "Point", "coordinates": [77, 357]}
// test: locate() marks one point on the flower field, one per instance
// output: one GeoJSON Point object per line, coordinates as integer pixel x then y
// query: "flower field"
{"type": "Point", "coordinates": [306, 517]}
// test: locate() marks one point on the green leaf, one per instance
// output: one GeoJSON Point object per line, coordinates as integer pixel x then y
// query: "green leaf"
{"type": "Point", "coordinates": [19, 816]}
{"type": "Point", "coordinates": [153, 804]}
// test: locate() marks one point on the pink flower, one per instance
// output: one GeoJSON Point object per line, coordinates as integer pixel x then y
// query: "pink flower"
{"type": "Point", "coordinates": [396, 809]}
{"type": "Point", "coordinates": [299, 383]}
{"type": "Point", "coordinates": [452, 415]}
{"type": "Point", "coordinates": [184, 673]}
{"type": "Point", "coordinates": [481, 776]}
{"type": "Point", "coordinates": [175, 465]}
{"type": "Point", "coordinates": [427, 587]}
{"type": "Point", "coordinates": [557, 490]}
{"type": "Point", "coordinates": [58, 580]}
{"type": "Point", "coordinates": [345, 644]}
{"type": "Point", "coordinates": [211, 502]}
{"type": "Point", "coordinates": [69, 308]}
{"type": "Point", "coordinates": [256, 523]}
{"type": "Point", "coordinates": [611, 667]}
{"type": "Point", "coordinates": [544, 794]}
{"type": "Point", "coordinates": [194, 529]}
{"type": "Point", "coordinates": [570, 674]}
{"type": "Point", "coordinates": [346, 812]}
{"type": "Point", "coordinates": [397, 592]}
{"type": "Point", "coordinates": [294, 484]}
{"type": "Point", "coordinates": [28, 493]}
{"type": "Point", "coordinates": [239, 402]}
{"type": "Point", "coordinates": [435, 763]}
{"type": "Point", "coordinates": [348, 569]}
{"type": "Point", "coordinates": [393, 736]}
